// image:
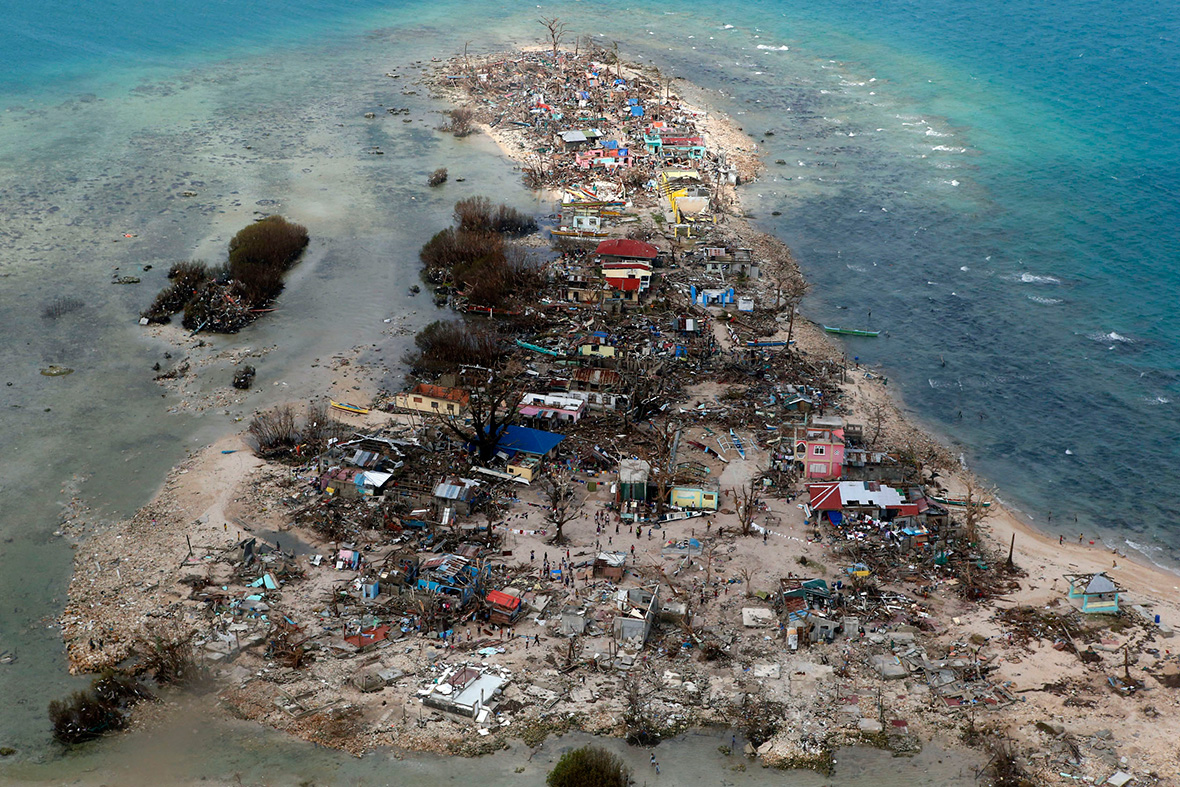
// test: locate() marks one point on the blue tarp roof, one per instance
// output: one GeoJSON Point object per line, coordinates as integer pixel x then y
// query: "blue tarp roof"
{"type": "Point", "coordinates": [531, 441]}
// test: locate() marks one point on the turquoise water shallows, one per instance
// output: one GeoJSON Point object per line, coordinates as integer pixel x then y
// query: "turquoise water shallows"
{"type": "Point", "coordinates": [993, 184]}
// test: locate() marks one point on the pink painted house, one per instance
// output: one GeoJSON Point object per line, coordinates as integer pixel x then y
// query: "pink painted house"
{"type": "Point", "coordinates": [819, 448]}
{"type": "Point", "coordinates": [607, 159]}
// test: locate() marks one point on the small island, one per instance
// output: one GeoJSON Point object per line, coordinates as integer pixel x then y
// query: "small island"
{"type": "Point", "coordinates": [628, 491]}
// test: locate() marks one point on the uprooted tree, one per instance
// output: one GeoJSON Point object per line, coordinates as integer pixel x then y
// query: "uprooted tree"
{"type": "Point", "coordinates": [491, 408]}
{"type": "Point", "coordinates": [976, 508]}
{"type": "Point", "coordinates": [557, 30]}
{"type": "Point", "coordinates": [561, 499]}
{"type": "Point", "coordinates": [656, 448]}
{"type": "Point", "coordinates": [747, 499]}
{"type": "Point", "coordinates": [280, 431]}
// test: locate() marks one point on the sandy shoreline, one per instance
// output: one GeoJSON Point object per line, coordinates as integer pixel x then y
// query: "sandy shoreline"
{"type": "Point", "coordinates": [122, 588]}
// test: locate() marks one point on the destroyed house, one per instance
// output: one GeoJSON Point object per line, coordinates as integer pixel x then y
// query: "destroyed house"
{"type": "Point", "coordinates": [543, 408]}
{"type": "Point", "coordinates": [1094, 593]}
{"type": "Point", "coordinates": [819, 448]}
{"type": "Point", "coordinates": [424, 398]}
{"type": "Point", "coordinates": [453, 576]}
{"type": "Point", "coordinates": [594, 379]}
{"type": "Point", "coordinates": [581, 219]}
{"type": "Point", "coordinates": [627, 280]}
{"type": "Point", "coordinates": [602, 401]}
{"type": "Point", "coordinates": [503, 609]}
{"type": "Point", "coordinates": [737, 262]}
{"type": "Point", "coordinates": [800, 596]}
{"type": "Point", "coordinates": [461, 494]}
{"type": "Point", "coordinates": [836, 500]}
{"type": "Point", "coordinates": [711, 296]}
{"type": "Point", "coordinates": [596, 346]}
{"type": "Point", "coordinates": [581, 287]}
{"type": "Point", "coordinates": [523, 449]}
{"type": "Point", "coordinates": [371, 452]}
{"type": "Point", "coordinates": [610, 566]}
{"type": "Point", "coordinates": [353, 483]}
{"type": "Point", "coordinates": [633, 477]}
{"type": "Point", "coordinates": [466, 691]}
{"type": "Point", "coordinates": [604, 158]}
{"type": "Point", "coordinates": [640, 607]}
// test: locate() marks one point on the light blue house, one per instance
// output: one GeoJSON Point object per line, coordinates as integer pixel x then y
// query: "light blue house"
{"type": "Point", "coordinates": [1096, 593]}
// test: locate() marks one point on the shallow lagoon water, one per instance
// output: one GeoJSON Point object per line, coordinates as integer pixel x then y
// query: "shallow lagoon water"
{"type": "Point", "coordinates": [1009, 225]}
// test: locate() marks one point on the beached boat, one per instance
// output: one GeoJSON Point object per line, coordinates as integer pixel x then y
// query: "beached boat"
{"type": "Point", "coordinates": [960, 501]}
{"type": "Point", "coordinates": [350, 408]}
{"type": "Point", "coordinates": [851, 331]}
{"type": "Point", "coordinates": [564, 233]}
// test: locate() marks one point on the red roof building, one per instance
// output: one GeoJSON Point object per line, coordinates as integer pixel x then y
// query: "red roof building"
{"type": "Point", "coordinates": [627, 249]}
{"type": "Point", "coordinates": [503, 599]}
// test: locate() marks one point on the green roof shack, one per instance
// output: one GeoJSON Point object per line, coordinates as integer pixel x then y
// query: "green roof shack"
{"type": "Point", "coordinates": [1094, 593]}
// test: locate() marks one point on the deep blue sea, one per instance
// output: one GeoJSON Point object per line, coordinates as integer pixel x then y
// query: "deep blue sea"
{"type": "Point", "coordinates": [993, 184]}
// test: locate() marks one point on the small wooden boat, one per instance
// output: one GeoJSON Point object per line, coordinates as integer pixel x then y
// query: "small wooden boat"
{"type": "Point", "coordinates": [960, 501]}
{"type": "Point", "coordinates": [350, 408]}
{"type": "Point", "coordinates": [737, 443]}
{"type": "Point", "coordinates": [850, 331]}
{"type": "Point", "coordinates": [563, 233]}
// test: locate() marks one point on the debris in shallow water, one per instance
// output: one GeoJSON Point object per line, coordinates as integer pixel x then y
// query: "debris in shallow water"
{"type": "Point", "coordinates": [53, 370]}
{"type": "Point", "coordinates": [244, 377]}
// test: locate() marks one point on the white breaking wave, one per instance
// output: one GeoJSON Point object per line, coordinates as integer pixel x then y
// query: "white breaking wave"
{"type": "Point", "coordinates": [1032, 278]}
{"type": "Point", "coordinates": [1106, 338]}
{"type": "Point", "coordinates": [949, 149]}
{"type": "Point", "coordinates": [1044, 301]}
{"type": "Point", "coordinates": [1147, 552]}
{"type": "Point", "coordinates": [727, 27]}
{"type": "Point", "coordinates": [783, 48]}
{"type": "Point", "coordinates": [932, 133]}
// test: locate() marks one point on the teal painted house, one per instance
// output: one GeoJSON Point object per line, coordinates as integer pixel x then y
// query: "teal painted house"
{"type": "Point", "coordinates": [1095, 593]}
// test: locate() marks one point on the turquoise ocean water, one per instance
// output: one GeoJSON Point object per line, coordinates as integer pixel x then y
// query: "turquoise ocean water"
{"type": "Point", "coordinates": [993, 184]}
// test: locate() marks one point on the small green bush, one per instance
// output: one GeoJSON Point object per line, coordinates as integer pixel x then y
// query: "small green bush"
{"type": "Point", "coordinates": [589, 766]}
{"type": "Point", "coordinates": [478, 214]}
{"type": "Point", "coordinates": [272, 242]}
{"type": "Point", "coordinates": [221, 299]}
{"type": "Point", "coordinates": [452, 247]}
{"type": "Point", "coordinates": [102, 708]}
{"type": "Point", "coordinates": [444, 346]}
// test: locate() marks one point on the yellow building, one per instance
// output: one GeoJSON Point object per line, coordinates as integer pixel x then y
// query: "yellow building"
{"type": "Point", "coordinates": [436, 399]}
{"type": "Point", "coordinates": [693, 497]}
